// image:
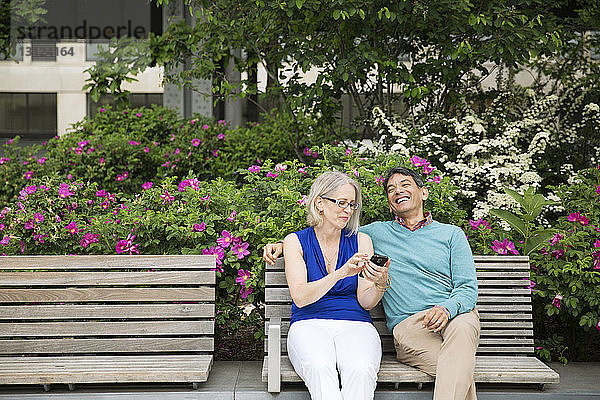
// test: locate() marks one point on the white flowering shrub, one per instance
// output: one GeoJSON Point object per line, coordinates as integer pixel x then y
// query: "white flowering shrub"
{"type": "Point", "coordinates": [517, 141]}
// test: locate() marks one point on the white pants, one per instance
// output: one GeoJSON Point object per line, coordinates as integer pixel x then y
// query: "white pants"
{"type": "Point", "coordinates": [317, 346]}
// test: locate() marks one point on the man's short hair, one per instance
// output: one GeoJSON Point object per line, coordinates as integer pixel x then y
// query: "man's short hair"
{"type": "Point", "coordinates": [403, 171]}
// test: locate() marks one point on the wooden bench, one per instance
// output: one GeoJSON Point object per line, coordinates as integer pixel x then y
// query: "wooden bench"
{"type": "Point", "coordinates": [106, 319]}
{"type": "Point", "coordinates": [505, 353]}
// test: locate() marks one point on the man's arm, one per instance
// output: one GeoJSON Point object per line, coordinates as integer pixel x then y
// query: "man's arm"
{"type": "Point", "coordinates": [463, 297]}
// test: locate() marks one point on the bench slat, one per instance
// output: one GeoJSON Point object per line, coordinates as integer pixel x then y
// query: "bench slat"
{"type": "Point", "coordinates": [139, 328]}
{"type": "Point", "coordinates": [107, 262]}
{"type": "Point", "coordinates": [488, 369]}
{"type": "Point", "coordinates": [106, 311]}
{"type": "Point", "coordinates": [59, 278]}
{"type": "Point", "coordinates": [114, 345]}
{"type": "Point", "coordinates": [102, 369]}
{"type": "Point", "coordinates": [106, 295]}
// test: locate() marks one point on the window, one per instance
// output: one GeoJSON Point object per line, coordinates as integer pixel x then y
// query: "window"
{"type": "Point", "coordinates": [135, 100]}
{"type": "Point", "coordinates": [30, 115]}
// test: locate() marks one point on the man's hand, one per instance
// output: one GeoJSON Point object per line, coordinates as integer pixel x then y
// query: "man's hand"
{"type": "Point", "coordinates": [271, 251]}
{"type": "Point", "coordinates": [435, 319]}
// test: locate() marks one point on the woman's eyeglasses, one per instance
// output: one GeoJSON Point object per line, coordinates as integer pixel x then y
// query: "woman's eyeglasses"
{"type": "Point", "coordinates": [343, 203]}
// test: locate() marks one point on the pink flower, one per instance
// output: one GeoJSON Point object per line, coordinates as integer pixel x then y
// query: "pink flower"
{"type": "Point", "coordinates": [146, 150]}
{"type": "Point", "coordinates": [302, 170]}
{"type": "Point", "coordinates": [598, 189]}
{"type": "Point", "coordinates": [597, 243]}
{"type": "Point", "coordinates": [481, 225]}
{"type": "Point", "coordinates": [38, 217]}
{"type": "Point", "coordinates": [584, 220]}
{"type": "Point", "coordinates": [307, 151]}
{"type": "Point", "coordinates": [245, 291]}
{"type": "Point", "coordinates": [348, 152]}
{"type": "Point", "coordinates": [167, 197]}
{"type": "Point", "coordinates": [30, 189]}
{"type": "Point", "coordinates": [195, 142]}
{"type": "Point", "coordinates": [556, 300]}
{"type": "Point", "coordinates": [573, 217]}
{"type": "Point", "coordinates": [42, 160]}
{"type": "Point", "coordinates": [1, 226]}
{"type": "Point", "coordinates": [218, 251]}
{"type": "Point", "coordinates": [101, 161]}
{"type": "Point", "coordinates": [418, 161]}
{"type": "Point", "coordinates": [558, 253]}
{"type": "Point", "coordinates": [199, 227]}
{"type": "Point", "coordinates": [280, 167]}
{"type": "Point", "coordinates": [133, 143]}
{"type": "Point", "coordinates": [5, 241]}
{"type": "Point", "coordinates": [225, 240]}
{"type": "Point", "coordinates": [303, 200]}
{"type": "Point", "coordinates": [436, 179]}
{"type": "Point", "coordinates": [28, 174]}
{"type": "Point", "coordinates": [147, 185]}
{"type": "Point", "coordinates": [29, 224]}
{"type": "Point", "coordinates": [83, 144]}
{"type": "Point", "coordinates": [315, 154]}
{"type": "Point", "coordinates": [243, 276]}
{"type": "Point", "coordinates": [240, 250]}
{"type": "Point", "coordinates": [126, 245]}
{"type": "Point", "coordinates": [232, 216]}
{"type": "Point", "coordinates": [215, 153]}
{"type": "Point", "coordinates": [102, 110]}
{"type": "Point", "coordinates": [531, 285]}
{"type": "Point", "coordinates": [272, 174]}
{"type": "Point", "coordinates": [355, 172]}
{"type": "Point", "coordinates": [222, 122]}
{"type": "Point", "coordinates": [205, 127]}
{"type": "Point", "coordinates": [101, 193]}
{"type": "Point", "coordinates": [427, 169]}
{"type": "Point", "coordinates": [598, 326]}
{"type": "Point", "coordinates": [72, 228]}
{"type": "Point", "coordinates": [555, 239]}
{"type": "Point", "coordinates": [254, 168]}
{"type": "Point", "coordinates": [504, 247]}
{"type": "Point", "coordinates": [138, 114]}
{"type": "Point", "coordinates": [64, 190]}
{"type": "Point", "coordinates": [221, 136]}
{"type": "Point", "coordinates": [379, 179]}
{"type": "Point", "coordinates": [89, 238]}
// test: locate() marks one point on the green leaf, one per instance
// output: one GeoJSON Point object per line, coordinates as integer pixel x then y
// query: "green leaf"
{"type": "Point", "coordinates": [537, 241]}
{"type": "Point", "coordinates": [515, 195]}
{"type": "Point", "coordinates": [512, 220]}
{"type": "Point", "coordinates": [336, 14]}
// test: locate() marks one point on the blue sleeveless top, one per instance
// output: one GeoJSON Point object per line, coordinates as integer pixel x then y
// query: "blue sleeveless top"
{"type": "Point", "coordinates": [341, 301]}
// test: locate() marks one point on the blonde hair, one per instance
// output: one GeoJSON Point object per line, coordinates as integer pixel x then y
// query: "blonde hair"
{"type": "Point", "coordinates": [326, 184]}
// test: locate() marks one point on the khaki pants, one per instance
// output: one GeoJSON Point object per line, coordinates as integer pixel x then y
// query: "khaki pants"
{"type": "Point", "coordinates": [449, 355]}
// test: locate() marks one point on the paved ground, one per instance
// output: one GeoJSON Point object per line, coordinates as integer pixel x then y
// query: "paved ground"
{"type": "Point", "coordinates": [241, 381]}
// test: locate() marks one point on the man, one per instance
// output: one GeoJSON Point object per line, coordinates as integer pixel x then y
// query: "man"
{"type": "Point", "coordinates": [429, 306]}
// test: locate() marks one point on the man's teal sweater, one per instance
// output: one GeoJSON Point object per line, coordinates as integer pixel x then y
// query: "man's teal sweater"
{"type": "Point", "coordinates": [430, 266]}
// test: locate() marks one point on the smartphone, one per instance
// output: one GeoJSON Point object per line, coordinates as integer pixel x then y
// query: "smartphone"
{"type": "Point", "coordinates": [379, 259]}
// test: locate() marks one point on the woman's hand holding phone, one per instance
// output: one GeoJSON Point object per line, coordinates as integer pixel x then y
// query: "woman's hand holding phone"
{"type": "Point", "coordinates": [376, 270]}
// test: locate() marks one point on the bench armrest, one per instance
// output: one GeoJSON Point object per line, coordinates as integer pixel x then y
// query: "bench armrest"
{"type": "Point", "coordinates": [274, 355]}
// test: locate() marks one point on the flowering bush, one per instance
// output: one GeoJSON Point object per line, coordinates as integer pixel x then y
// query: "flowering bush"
{"type": "Point", "coordinates": [189, 216]}
{"type": "Point", "coordinates": [517, 141]}
{"type": "Point", "coordinates": [565, 271]}
{"type": "Point", "coordinates": [122, 149]}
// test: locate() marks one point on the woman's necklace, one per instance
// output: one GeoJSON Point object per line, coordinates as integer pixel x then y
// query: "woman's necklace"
{"type": "Point", "coordinates": [329, 262]}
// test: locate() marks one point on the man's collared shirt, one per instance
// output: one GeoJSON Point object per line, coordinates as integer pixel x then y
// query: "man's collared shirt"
{"type": "Point", "coordinates": [424, 222]}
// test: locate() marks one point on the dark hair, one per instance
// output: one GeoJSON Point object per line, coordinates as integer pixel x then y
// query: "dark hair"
{"type": "Point", "coordinates": [403, 171]}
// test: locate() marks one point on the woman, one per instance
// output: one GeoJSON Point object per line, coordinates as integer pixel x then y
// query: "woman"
{"type": "Point", "coordinates": [330, 324]}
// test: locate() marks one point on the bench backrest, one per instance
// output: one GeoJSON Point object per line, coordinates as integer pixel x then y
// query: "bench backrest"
{"type": "Point", "coordinates": [504, 306]}
{"type": "Point", "coordinates": [117, 305]}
